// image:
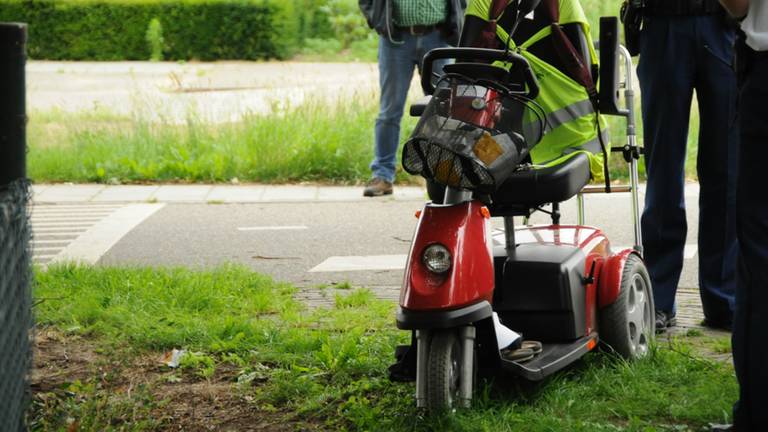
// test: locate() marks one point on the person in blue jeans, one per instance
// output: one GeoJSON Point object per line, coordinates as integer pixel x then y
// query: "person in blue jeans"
{"type": "Point", "coordinates": [407, 29]}
{"type": "Point", "coordinates": [687, 45]}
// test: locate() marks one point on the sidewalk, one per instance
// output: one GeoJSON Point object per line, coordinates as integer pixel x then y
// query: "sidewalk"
{"type": "Point", "coordinates": [228, 194]}
{"type": "Point", "coordinates": [209, 194]}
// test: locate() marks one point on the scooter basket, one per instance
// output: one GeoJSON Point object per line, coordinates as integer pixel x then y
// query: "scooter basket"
{"type": "Point", "coordinates": [472, 136]}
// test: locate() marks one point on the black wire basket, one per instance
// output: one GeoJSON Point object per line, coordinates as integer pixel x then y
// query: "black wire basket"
{"type": "Point", "coordinates": [473, 135]}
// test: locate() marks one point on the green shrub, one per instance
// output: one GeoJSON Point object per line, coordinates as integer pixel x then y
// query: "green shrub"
{"type": "Point", "coordinates": [192, 29]}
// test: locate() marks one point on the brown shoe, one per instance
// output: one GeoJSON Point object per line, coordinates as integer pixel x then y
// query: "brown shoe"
{"type": "Point", "coordinates": [377, 187]}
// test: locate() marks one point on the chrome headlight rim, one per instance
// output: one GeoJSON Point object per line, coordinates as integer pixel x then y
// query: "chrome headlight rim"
{"type": "Point", "coordinates": [437, 258]}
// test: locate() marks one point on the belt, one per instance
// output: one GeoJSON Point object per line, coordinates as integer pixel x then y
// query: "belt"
{"type": "Point", "coordinates": [418, 30]}
{"type": "Point", "coordinates": [682, 7]}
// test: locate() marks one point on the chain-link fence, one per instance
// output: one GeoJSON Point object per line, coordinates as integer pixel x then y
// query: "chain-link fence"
{"type": "Point", "coordinates": [15, 305]}
{"type": "Point", "coordinates": [15, 259]}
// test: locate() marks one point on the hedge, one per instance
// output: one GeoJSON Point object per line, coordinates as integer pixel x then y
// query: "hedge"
{"type": "Point", "coordinates": [191, 29]}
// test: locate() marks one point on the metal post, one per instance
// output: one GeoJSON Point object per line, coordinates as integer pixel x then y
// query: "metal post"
{"type": "Point", "coordinates": [634, 177]}
{"type": "Point", "coordinates": [13, 119]}
{"type": "Point", "coordinates": [582, 211]}
{"type": "Point", "coordinates": [422, 353]}
{"type": "Point", "coordinates": [15, 267]}
{"type": "Point", "coordinates": [509, 235]}
{"type": "Point", "coordinates": [467, 365]}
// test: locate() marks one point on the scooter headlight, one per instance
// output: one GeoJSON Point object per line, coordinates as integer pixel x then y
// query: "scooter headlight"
{"type": "Point", "coordinates": [437, 258]}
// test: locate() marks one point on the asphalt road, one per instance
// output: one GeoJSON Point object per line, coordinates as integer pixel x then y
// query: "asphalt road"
{"type": "Point", "coordinates": [289, 241]}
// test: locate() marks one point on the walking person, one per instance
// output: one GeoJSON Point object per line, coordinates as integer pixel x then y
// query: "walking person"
{"type": "Point", "coordinates": [407, 29]}
{"type": "Point", "coordinates": [750, 330]}
{"type": "Point", "coordinates": [687, 45]}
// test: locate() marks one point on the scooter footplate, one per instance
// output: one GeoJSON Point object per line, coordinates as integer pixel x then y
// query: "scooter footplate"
{"type": "Point", "coordinates": [552, 358]}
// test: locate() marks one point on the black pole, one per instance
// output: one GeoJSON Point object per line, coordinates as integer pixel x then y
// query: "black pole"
{"type": "Point", "coordinates": [13, 117]}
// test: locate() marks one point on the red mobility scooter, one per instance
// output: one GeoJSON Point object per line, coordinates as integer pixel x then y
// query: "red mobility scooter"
{"type": "Point", "coordinates": [562, 285]}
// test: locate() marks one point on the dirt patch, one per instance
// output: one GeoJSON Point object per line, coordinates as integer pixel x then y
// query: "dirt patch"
{"type": "Point", "coordinates": [173, 401]}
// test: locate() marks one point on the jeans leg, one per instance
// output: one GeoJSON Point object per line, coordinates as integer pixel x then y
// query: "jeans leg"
{"type": "Point", "coordinates": [427, 43]}
{"type": "Point", "coordinates": [395, 74]}
{"type": "Point", "coordinates": [750, 333]}
{"type": "Point", "coordinates": [666, 81]}
{"type": "Point", "coordinates": [718, 145]}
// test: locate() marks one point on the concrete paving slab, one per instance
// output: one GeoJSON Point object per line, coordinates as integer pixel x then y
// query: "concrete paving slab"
{"type": "Point", "coordinates": [410, 193]}
{"type": "Point", "coordinates": [38, 189]}
{"type": "Point", "coordinates": [340, 193]}
{"type": "Point", "coordinates": [182, 193]}
{"type": "Point", "coordinates": [236, 194]}
{"type": "Point", "coordinates": [290, 194]}
{"type": "Point", "coordinates": [68, 193]}
{"type": "Point", "coordinates": [129, 193]}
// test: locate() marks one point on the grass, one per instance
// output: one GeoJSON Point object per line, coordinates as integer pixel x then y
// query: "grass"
{"type": "Point", "coordinates": [323, 141]}
{"type": "Point", "coordinates": [273, 359]}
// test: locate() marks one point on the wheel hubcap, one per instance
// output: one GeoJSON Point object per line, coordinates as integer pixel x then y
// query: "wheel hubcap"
{"type": "Point", "coordinates": [639, 315]}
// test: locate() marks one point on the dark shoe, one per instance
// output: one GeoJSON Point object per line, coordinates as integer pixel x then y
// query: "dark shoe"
{"type": "Point", "coordinates": [664, 320]}
{"type": "Point", "coordinates": [377, 187]}
{"type": "Point", "coordinates": [721, 428]}
{"type": "Point", "coordinates": [724, 325]}
{"type": "Point", "coordinates": [519, 355]}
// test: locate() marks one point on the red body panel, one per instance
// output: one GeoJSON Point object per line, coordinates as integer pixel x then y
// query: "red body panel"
{"type": "Point", "coordinates": [610, 282]}
{"type": "Point", "coordinates": [466, 232]}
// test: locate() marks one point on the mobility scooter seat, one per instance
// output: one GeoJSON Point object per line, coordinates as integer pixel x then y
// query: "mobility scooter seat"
{"type": "Point", "coordinates": [536, 187]}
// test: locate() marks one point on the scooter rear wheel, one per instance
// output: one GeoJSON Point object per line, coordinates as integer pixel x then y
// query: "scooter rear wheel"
{"type": "Point", "coordinates": [444, 372]}
{"type": "Point", "coordinates": [628, 324]}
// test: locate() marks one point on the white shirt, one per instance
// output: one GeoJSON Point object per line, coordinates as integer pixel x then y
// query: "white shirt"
{"type": "Point", "coordinates": [755, 25]}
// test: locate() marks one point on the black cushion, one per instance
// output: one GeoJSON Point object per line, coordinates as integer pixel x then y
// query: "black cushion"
{"type": "Point", "coordinates": [525, 190]}
{"type": "Point", "coordinates": [533, 188]}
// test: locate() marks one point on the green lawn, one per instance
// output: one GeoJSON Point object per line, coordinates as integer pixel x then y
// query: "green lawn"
{"type": "Point", "coordinates": [256, 356]}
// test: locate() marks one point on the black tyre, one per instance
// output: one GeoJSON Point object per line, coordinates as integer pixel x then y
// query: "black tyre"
{"type": "Point", "coordinates": [628, 325]}
{"type": "Point", "coordinates": [443, 372]}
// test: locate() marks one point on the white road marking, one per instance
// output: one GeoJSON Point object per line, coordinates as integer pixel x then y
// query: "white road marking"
{"type": "Point", "coordinates": [273, 228]}
{"type": "Point", "coordinates": [59, 230]}
{"type": "Point", "coordinates": [49, 242]}
{"type": "Point", "coordinates": [360, 263]}
{"type": "Point", "coordinates": [35, 225]}
{"type": "Point", "coordinates": [86, 218]}
{"type": "Point", "coordinates": [95, 242]}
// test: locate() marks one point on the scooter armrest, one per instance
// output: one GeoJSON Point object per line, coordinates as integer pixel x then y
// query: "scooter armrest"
{"type": "Point", "coordinates": [418, 107]}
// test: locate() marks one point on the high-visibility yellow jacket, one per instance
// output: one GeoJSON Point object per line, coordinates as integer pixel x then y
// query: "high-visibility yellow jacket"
{"type": "Point", "coordinates": [572, 121]}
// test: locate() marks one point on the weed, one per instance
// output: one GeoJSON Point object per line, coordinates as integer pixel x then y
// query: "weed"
{"type": "Point", "coordinates": [346, 285]}
{"type": "Point", "coordinates": [357, 298]}
{"type": "Point", "coordinates": [693, 332]}
{"type": "Point", "coordinates": [203, 364]}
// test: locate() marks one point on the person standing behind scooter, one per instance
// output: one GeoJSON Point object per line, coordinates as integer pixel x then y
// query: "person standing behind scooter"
{"type": "Point", "coordinates": [407, 29]}
{"type": "Point", "coordinates": [687, 45]}
{"type": "Point", "coordinates": [750, 330]}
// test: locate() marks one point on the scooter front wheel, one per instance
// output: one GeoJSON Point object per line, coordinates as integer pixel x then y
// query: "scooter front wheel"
{"type": "Point", "coordinates": [444, 372]}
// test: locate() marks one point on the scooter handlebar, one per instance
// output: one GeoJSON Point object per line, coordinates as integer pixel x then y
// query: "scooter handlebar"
{"type": "Point", "coordinates": [485, 54]}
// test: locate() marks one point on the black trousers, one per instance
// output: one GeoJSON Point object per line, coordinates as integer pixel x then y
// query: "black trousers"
{"type": "Point", "coordinates": [750, 331]}
{"type": "Point", "coordinates": [677, 56]}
